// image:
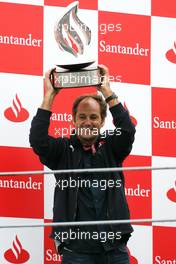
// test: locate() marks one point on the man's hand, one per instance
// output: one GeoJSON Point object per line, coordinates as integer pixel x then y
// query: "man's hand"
{"type": "Point", "coordinates": [50, 92]}
{"type": "Point", "coordinates": [49, 89]}
{"type": "Point", "coordinates": [104, 72]}
{"type": "Point", "coordinates": [104, 88]}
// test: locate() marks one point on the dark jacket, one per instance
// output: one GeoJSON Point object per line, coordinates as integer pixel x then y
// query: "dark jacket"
{"type": "Point", "coordinates": [66, 153]}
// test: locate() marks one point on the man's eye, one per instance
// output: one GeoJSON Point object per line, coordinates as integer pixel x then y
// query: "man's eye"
{"type": "Point", "coordinates": [93, 117]}
{"type": "Point", "coordinates": [82, 117]}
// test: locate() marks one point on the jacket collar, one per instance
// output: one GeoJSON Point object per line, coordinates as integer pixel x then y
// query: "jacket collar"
{"type": "Point", "coordinates": [76, 143]}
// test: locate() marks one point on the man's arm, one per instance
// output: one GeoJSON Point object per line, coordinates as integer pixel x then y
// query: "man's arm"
{"type": "Point", "coordinates": [50, 93]}
{"type": "Point", "coordinates": [105, 86]}
{"type": "Point", "coordinates": [123, 137]}
{"type": "Point", "coordinates": [46, 147]}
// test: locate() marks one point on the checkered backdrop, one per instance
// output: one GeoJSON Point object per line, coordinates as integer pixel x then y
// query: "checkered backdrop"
{"type": "Point", "coordinates": [137, 41]}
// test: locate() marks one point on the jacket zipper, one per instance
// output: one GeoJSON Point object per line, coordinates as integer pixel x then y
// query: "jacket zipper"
{"type": "Point", "coordinates": [108, 217]}
{"type": "Point", "coordinates": [74, 216]}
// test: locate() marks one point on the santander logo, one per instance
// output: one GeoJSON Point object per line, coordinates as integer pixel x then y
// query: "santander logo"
{"type": "Point", "coordinates": [16, 254]}
{"type": "Point", "coordinates": [171, 194]}
{"type": "Point", "coordinates": [171, 54]}
{"type": "Point", "coordinates": [16, 113]}
{"type": "Point", "coordinates": [133, 119]}
{"type": "Point", "coordinates": [133, 260]}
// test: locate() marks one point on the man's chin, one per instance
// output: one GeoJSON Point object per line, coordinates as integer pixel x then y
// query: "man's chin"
{"type": "Point", "coordinates": [88, 139]}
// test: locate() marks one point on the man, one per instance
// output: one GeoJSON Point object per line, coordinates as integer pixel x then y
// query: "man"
{"type": "Point", "coordinates": [96, 196]}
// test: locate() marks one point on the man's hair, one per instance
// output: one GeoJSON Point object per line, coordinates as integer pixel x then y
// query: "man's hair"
{"type": "Point", "coordinates": [98, 98]}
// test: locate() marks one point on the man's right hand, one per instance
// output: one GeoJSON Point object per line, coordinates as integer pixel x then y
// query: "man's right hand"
{"type": "Point", "coordinates": [49, 89]}
{"type": "Point", "coordinates": [50, 92]}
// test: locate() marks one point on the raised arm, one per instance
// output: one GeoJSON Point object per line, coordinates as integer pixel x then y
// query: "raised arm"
{"type": "Point", "coordinates": [46, 147]}
{"type": "Point", "coordinates": [122, 138]}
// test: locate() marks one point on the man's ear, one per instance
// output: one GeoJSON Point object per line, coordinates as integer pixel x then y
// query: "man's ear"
{"type": "Point", "coordinates": [73, 121]}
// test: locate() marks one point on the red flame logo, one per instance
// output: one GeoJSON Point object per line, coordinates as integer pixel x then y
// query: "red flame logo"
{"type": "Point", "coordinates": [70, 42]}
{"type": "Point", "coordinates": [133, 260]}
{"type": "Point", "coordinates": [133, 119]}
{"type": "Point", "coordinates": [16, 113]}
{"type": "Point", "coordinates": [171, 194]}
{"type": "Point", "coordinates": [16, 254]}
{"type": "Point", "coordinates": [171, 54]}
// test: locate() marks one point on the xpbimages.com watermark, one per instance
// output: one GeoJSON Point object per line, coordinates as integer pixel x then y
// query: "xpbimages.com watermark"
{"type": "Point", "coordinates": [84, 79]}
{"type": "Point", "coordinates": [86, 235]}
{"type": "Point", "coordinates": [102, 184]}
{"type": "Point", "coordinates": [86, 131]}
{"type": "Point", "coordinates": [103, 28]}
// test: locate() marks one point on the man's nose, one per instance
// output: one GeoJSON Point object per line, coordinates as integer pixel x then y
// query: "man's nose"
{"type": "Point", "coordinates": [88, 121]}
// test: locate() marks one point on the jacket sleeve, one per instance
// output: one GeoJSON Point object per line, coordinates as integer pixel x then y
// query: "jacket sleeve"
{"type": "Point", "coordinates": [123, 136]}
{"type": "Point", "coordinates": [49, 149]}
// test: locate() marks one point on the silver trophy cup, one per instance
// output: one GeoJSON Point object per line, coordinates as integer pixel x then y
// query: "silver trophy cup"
{"type": "Point", "coordinates": [68, 40]}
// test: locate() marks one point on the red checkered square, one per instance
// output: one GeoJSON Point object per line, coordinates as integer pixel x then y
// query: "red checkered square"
{"type": "Point", "coordinates": [50, 254]}
{"type": "Point", "coordinates": [166, 8]}
{"type": "Point", "coordinates": [164, 240]}
{"type": "Point", "coordinates": [124, 46]}
{"type": "Point", "coordinates": [82, 3]}
{"type": "Point", "coordinates": [21, 38]}
{"type": "Point", "coordinates": [163, 122]}
{"type": "Point", "coordinates": [19, 193]}
{"type": "Point", "coordinates": [138, 187]}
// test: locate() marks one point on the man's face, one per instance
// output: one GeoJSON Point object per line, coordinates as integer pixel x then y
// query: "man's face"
{"type": "Point", "coordinates": [88, 120]}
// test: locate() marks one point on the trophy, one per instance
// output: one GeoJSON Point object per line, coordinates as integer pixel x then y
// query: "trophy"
{"type": "Point", "coordinates": [69, 40]}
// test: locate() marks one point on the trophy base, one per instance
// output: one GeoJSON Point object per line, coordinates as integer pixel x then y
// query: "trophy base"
{"type": "Point", "coordinates": [75, 67]}
{"type": "Point", "coordinates": [76, 78]}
